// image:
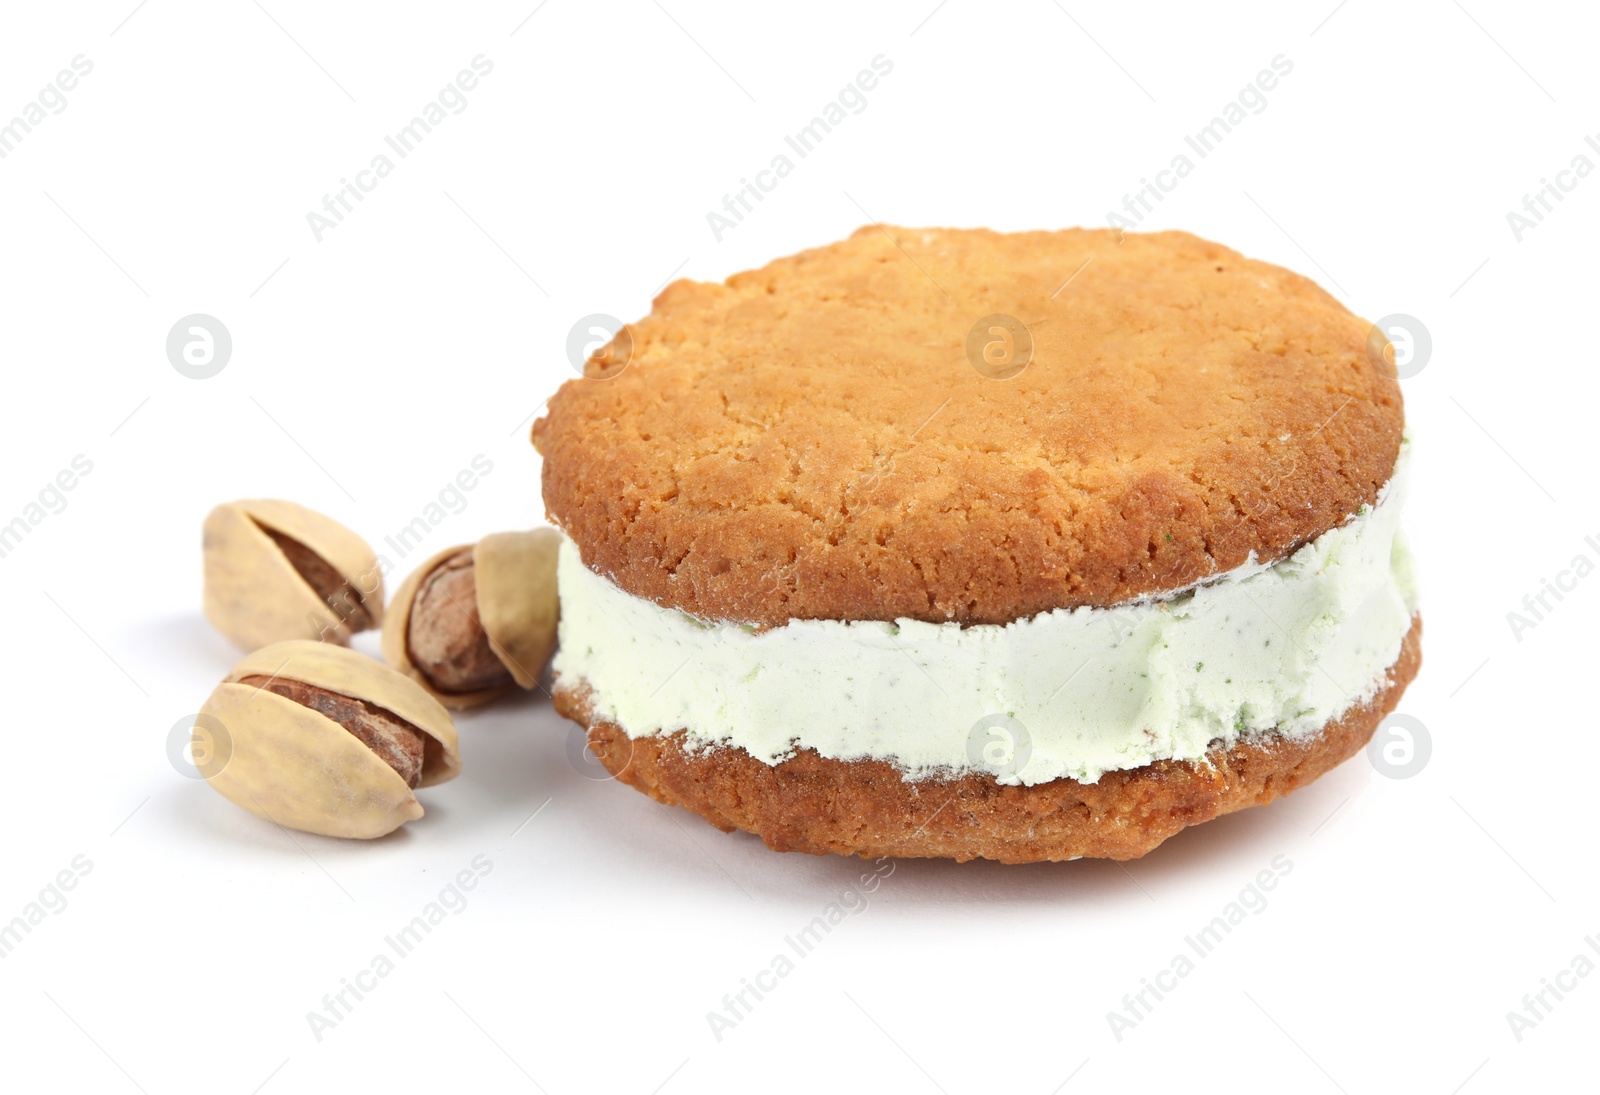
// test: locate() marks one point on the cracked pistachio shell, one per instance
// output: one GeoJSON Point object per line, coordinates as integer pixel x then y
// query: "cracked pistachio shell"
{"type": "Point", "coordinates": [517, 598]}
{"type": "Point", "coordinates": [397, 632]}
{"type": "Point", "coordinates": [300, 769]}
{"type": "Point", "coordinates": [254, 594]}
{"type": "Point", "coordinates": [514, 577]}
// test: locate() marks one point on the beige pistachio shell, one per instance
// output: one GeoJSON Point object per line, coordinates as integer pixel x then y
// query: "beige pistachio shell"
{"type": "Point", "coordinates": [351, 674]}
{"type": "Point", "coordinates": [516, 581]}
{"type": "Point", "coordinates": [253, 593]}
{"type": "Point", "coordinates": [396, 637]}
{"type": "Point", "coordinates": [303, 771]}
{"type": "Point", "coordinates": [294, 766]}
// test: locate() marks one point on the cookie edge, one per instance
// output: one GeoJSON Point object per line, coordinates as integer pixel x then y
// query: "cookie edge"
{"type": "Point", "coordinates": [870, 807]}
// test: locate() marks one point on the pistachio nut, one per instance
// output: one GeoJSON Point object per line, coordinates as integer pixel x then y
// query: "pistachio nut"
{"type": "Point", "coordinates": [329, 741]}
{"type": "Point", "coordinates": [475, 621]}
{"type": "Point", "coordinates": [275, 570]}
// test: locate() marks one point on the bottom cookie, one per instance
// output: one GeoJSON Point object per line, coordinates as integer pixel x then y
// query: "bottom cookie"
{"type": "Point", "coordinates": [810, 803]}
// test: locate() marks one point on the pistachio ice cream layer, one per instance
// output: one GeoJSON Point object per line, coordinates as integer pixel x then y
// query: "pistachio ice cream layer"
{"type": "Point", "coordinates": [1282, 648]}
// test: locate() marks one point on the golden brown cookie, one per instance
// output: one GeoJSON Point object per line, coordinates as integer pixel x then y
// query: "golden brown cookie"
{"type": "Point", "coordinates": [981, 431]}
{"type": "Point", "coordinates": [811, 440]}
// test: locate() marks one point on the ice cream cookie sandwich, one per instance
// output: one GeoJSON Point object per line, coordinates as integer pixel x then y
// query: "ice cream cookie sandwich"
{"type": "Point", "coordinates": [967, 544]}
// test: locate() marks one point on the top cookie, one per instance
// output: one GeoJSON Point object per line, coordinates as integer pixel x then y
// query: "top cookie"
{"type": "Point", "coordinates": [814, 440]}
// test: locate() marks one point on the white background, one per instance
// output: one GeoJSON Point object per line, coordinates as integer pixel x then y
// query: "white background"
{"type": "Point", "coordinates": [369, 368]}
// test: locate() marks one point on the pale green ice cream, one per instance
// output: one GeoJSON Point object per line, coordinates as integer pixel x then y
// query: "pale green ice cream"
{"type": "Point", "coordinates": [1074, 692]}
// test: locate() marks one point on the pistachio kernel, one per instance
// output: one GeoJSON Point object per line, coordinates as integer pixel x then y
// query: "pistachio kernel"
{"type": "Point", "coordinates": [335, 591]}
{"type": "Point", "coordinates": [399, 744]}
{"type": "Point", "coordinates": [445, 636]}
